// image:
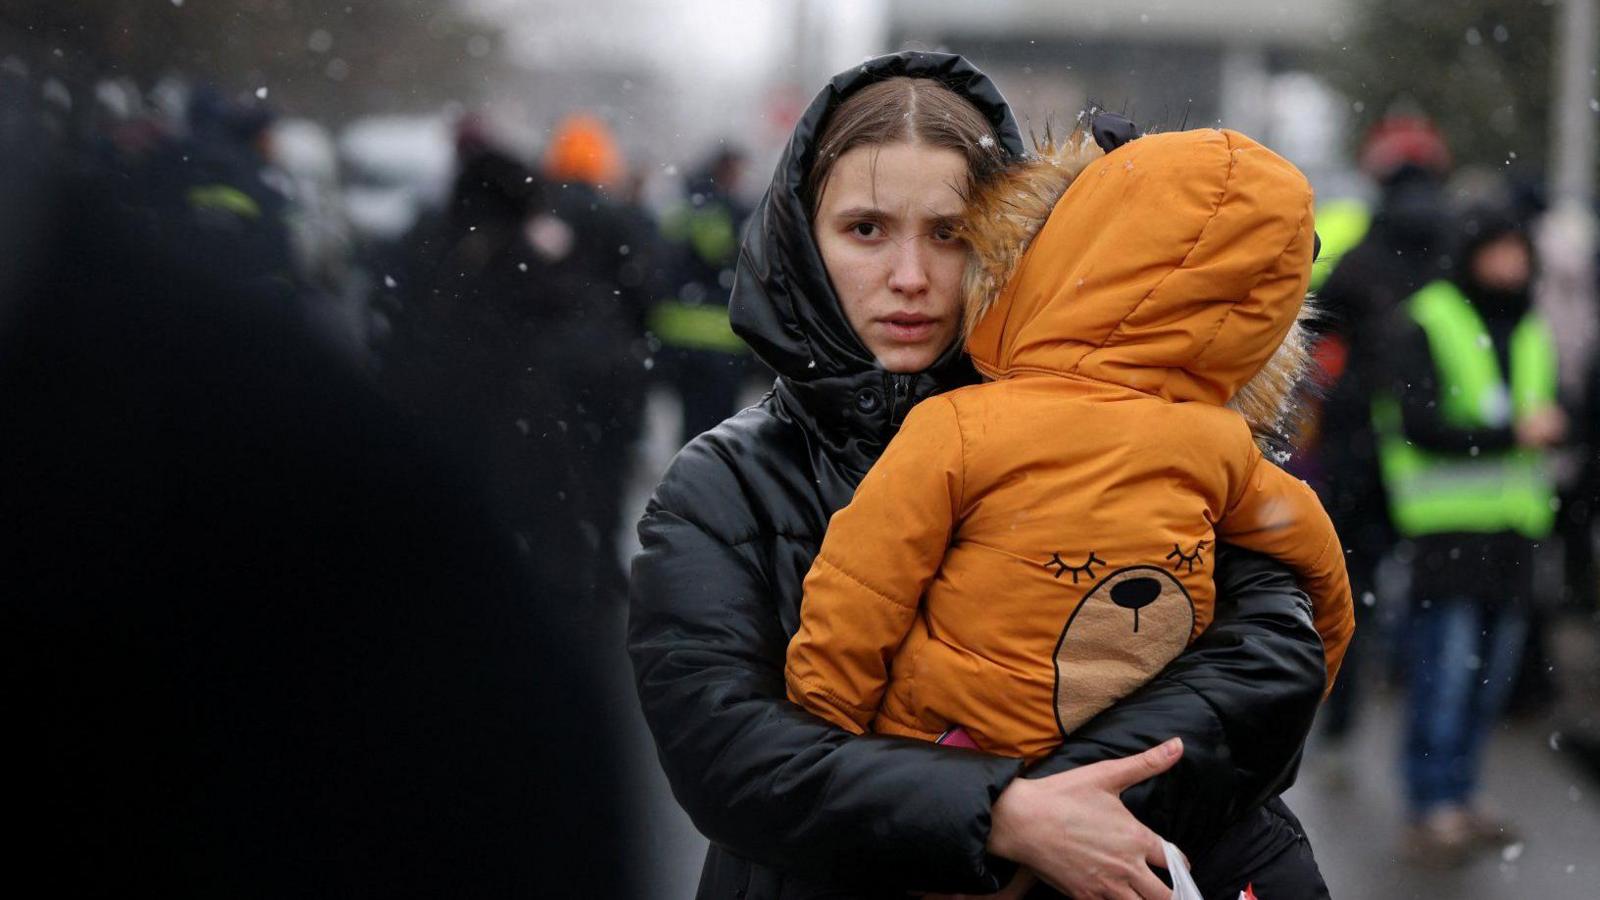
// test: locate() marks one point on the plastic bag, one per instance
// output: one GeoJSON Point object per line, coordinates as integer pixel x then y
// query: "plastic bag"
{"type": "Point", "coordinates": [1183, 886]}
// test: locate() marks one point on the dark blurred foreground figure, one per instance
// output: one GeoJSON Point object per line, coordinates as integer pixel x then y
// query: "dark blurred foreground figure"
{"type": "Point", "coordinates": [261, 640]}
{"type": "Point", "coordinates": [1465, 425]}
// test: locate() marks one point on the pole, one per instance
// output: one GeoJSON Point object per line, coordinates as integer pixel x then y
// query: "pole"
{"type": "Point", "coordinates": [1574, 92]}
{"type": "Point", "coordinates": [1565, 239]}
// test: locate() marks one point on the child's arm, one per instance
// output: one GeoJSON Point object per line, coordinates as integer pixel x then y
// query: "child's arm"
{"type": "Point", "coordinates": [1279, 515]}
{"type": "Point", "coordinates": [879, 555]}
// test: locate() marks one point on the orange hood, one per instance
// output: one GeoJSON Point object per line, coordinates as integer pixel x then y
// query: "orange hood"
{"type": "Point", "coordinates": [1177, 265]}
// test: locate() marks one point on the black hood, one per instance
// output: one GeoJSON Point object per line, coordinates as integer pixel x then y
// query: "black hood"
{"type": "Point", "coordinates": [1477, 227]}
{"type": "Point", "coordinates": [783, 305]}
{"type": "Point", "coordinates": [1413, 211]}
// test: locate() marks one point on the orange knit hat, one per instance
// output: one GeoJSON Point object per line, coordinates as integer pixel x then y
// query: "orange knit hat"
{"type": "Point", "coordinates": [582, 149]}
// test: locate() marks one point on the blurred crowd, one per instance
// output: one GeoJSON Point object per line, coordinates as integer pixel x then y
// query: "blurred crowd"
{"type": "Point", "coordinates": [1453, 442]}
{"type": "Point", "coordinates": [192, 313]}
{"type": "Point", "coordinates": [517, 319]}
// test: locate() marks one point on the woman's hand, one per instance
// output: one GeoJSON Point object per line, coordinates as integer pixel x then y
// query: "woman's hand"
{"type": "Point", "coordinates": [1073, 831]}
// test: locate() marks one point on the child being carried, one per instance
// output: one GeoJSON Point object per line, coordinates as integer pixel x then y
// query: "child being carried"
{"type": "Point", "coordinates": [1032, 549]}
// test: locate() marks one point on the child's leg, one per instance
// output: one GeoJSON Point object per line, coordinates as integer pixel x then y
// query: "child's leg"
{"type": "Point", "coordinates": [1266, 852]}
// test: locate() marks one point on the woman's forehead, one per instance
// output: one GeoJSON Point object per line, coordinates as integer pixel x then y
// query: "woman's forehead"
{"type": "Point", "coordinates": [897, 179]}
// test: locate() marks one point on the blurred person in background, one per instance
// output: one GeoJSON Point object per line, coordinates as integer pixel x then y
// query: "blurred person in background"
{"type": "Point", "coordinates": [267, 641]}
{"type": "Point", "coordinates": [700, 356]}
{"type": "Point", "coordinates": [856, 310]}
{"type": "Point", "coordinates": [469, 295]}
{"type": "Point", "coordinates": [1565, 293]}
{"type": "Point", "coordinates": [1403, 249]}
{"type": "Point", "coordinates": [588, 322]}
{"type": "Point", "coordinates": [306, 171]}
{"type": "Point", "coordinates": [1466, 421]}
{"type": "Point", "coordinates": [234, 214]}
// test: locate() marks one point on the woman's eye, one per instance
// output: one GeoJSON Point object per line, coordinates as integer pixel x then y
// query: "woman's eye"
{"type": "Point", "coordinates": [865, 229]}
{"type": "Point", "coordinates": [944, 235]}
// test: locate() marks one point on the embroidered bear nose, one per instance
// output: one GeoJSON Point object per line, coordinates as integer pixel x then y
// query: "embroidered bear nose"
{"type": "Point", "coordinates": [1135, 593]}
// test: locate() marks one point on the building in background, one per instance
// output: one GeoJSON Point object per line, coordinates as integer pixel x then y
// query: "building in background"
{"type": "Point", "coordinates": [1241, 64]}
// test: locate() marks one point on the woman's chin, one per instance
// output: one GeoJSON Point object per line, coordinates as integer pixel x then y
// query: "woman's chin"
{"type": "Point", "coordinates": [910, 358]}
{"type": "Point", "coordinates": [907, 360]}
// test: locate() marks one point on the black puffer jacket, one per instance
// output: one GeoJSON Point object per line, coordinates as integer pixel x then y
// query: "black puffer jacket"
{"type": "Point", "coordinates": [795, 807]}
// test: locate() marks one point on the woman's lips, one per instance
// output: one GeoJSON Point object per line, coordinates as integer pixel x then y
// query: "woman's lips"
{"type": "Point", "coordinates": [908, 329]}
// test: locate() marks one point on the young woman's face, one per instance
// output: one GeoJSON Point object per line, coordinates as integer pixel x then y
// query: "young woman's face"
{"type": "Point", "coordinates": [886, 229]}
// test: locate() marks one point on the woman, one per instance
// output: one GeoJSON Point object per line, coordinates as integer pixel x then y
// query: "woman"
{"type": "Point", "coordinates": [853, 302]}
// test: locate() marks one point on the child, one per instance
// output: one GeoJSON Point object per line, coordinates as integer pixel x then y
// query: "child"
{"type": "Point", "coordinates": [1030, 550]}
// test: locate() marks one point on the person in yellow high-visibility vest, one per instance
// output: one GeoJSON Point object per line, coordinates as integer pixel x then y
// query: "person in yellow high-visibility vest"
{"type": "Point", "coordinates": [700, 356]}
{"type": "Point", "coordinates": [1464, 429]}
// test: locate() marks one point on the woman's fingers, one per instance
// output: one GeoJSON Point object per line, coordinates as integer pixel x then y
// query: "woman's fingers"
{"type": "Point", "coordinates": [1155, 851]}
{"type": "Point", "coordinates": [1121, 774]}
{"type": "Point", "coordinates": [1148, 887]}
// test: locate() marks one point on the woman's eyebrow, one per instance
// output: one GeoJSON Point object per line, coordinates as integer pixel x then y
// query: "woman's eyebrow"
{"type": "Point", "coordinates": [861, 212]}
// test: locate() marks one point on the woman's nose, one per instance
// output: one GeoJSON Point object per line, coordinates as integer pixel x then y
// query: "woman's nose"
{"type": "Point", "coordinates": [909, 274]}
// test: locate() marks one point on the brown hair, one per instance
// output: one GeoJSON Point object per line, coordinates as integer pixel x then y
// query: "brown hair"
{"type": "Point", "coordinates": [902, 108]}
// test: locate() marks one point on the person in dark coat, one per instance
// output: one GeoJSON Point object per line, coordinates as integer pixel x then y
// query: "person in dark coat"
{"type": "Point", "coordinates": [263, 639]}
{"type": "Point", "coordinates": [797, 808]}
{"type": "Point", "coordinates": [481, 355]}
{"type": "Point", "coordinates": [586, 327]}
{"type": "Point", "coordinates": [1405, 248]}
{"type": "Point", "coordinates": [230, 212]}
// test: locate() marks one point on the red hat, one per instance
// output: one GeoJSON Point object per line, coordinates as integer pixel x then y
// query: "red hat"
{"type": "Point", "coordinates": [1404, 140]}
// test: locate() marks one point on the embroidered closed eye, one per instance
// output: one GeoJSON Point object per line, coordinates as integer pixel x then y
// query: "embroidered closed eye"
{"type": "Point", "coordinates": [1187, 561]}
{"type": "Point", "coordinates": [1062, 567]}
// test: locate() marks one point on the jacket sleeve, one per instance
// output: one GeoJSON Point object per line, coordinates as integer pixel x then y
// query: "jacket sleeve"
{"type": "Point", "coordinates": [757, 774]}
{"type": "Point", "coordinates": [1279, 515]}
{"type": "Point", "coordinates": [879, 555]}
{"type": "Point", "coordinates": [1242, 697]}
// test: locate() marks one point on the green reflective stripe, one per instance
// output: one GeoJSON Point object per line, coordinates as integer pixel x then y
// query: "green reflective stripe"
{"type": "Point", "coordinates": [712, 236]}
{"type": "Point", "coordinates": [694, 326]}
{"type": "Point", "coordinates": [224, 197]}
{"type": "Point", "coordinates": [709, 231]}
{"type": "Point", "coordinates": [1341, 224]}
{"type": "Point", "coordinates": [1493, 492]}
{"type": "Point", "coordinates": [1510, 493]}
{"type": "Point", "coordinates": [1534, 374]}
{"type": "Point", "coordinates": [1469, 375]}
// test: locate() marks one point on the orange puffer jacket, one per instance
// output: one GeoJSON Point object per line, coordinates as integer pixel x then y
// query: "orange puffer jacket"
{"type": "Point", "coordinates": [1029, 550]}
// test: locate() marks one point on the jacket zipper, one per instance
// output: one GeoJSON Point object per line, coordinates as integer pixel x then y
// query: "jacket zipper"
{"type": "Point", "coordinates": [898, 390]}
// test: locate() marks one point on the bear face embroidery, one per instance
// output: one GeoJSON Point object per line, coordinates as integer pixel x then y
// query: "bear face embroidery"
{"type": "Point", "coordinates": [1126, 629]}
